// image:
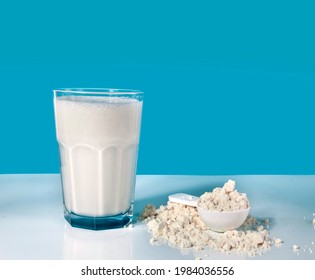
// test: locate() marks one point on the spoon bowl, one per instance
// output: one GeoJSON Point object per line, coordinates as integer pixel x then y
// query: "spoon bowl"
{"type": "Point", "coordinates": [215, 220]}
{"type": "Point", "coordinates": [223, 221]}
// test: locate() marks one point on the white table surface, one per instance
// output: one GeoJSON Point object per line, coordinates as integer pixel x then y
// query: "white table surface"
{"type": "Point", "coordinates": [32, 224]}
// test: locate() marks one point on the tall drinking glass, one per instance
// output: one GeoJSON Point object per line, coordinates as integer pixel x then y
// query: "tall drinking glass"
{"type": "Point", "coordinates": [98, 134]}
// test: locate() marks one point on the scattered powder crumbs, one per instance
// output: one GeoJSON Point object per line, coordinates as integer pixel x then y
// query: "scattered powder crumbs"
{"type": "Point", "coordinates": [180, 226]}
{"type": "Point", "coordinates": [260, 228]}
{"type": "Point", "coordinates": [278, 242]}
{"type": "Point", "coordinates": [224, 199]}
{"type": "Point", "coordinates": [296, 248]}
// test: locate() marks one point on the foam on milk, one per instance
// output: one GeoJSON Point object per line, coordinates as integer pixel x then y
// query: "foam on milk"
{"type": "Point", "coordinates": [98, 142]}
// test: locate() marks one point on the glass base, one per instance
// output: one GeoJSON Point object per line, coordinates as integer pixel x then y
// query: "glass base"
{"type": "Point", "coordinates": [98, 223]}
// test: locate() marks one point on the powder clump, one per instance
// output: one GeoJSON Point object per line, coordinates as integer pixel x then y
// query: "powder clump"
{"type": "Point", "coordinates": [226, 198]}
{"type": "Point", "coordinates": [295, 248]}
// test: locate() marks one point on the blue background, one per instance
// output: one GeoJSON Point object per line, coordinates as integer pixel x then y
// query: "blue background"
{"type": "Point", "coordinates": [229, 86]}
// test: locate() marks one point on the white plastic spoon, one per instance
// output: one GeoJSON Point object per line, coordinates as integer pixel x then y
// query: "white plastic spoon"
{"type": "Point", "coordinates": [215, 220]}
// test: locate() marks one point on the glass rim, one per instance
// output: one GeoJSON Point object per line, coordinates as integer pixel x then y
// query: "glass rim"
{"type": "Point", "coordinates": [98, 91]}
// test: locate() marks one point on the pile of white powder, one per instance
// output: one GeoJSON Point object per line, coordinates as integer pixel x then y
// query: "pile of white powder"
{"type": "Point", "coordinates": [180, 226]}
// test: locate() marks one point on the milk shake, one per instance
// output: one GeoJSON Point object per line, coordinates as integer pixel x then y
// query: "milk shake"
{"type": "Point", "coordinates": [98, 134]}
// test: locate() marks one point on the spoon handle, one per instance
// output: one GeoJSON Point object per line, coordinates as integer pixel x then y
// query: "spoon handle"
{"type": "Point", "coordinates": [184, 198]}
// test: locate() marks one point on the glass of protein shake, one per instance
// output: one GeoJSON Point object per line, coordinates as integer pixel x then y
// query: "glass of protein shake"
{"type": "Point", "coordinates": [98, 135]}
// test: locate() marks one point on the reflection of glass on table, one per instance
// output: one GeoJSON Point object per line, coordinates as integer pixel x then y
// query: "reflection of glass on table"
{"type": "Point", "coordinates": [86, 244]}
